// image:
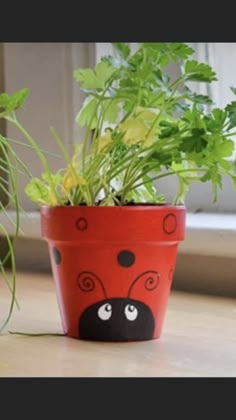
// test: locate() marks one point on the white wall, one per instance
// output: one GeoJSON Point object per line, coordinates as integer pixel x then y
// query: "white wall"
{"type": "Point", "coordinates": [47, 70]}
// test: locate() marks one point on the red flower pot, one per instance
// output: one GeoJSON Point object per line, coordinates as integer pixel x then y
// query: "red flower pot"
{"type": "Point", "coordinates": [113, 267]}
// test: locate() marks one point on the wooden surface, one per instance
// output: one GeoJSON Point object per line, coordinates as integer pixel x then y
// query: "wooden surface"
{"type": "Point", "coordinates": [198, 339]}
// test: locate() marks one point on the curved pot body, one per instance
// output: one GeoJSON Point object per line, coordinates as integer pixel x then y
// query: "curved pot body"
{"type": "Point", "coordinates": [113, 267]}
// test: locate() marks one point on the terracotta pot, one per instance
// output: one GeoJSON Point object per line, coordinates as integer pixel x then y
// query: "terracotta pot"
{"type": "Point", "coordinates": [113, 267]}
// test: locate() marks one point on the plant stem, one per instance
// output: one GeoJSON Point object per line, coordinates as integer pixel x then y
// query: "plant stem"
{"type": "Point", "coordinates": [132, 187]}
{"type": "Point", "coordinates": [177, 82]}
{"type": "Point", "coordinates": [37, 149]}
{"type": "Point", "coordinates": [13, 266]}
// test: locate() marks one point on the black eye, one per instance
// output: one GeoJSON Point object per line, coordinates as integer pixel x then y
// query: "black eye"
{"type": "Point", "coordinates": [105, 311]}
{"type": "Point", "coordinates": [131, 312]}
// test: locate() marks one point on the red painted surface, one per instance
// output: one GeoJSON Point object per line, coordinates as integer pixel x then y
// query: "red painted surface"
{"type": "Point", "coordinates": [84, 244]}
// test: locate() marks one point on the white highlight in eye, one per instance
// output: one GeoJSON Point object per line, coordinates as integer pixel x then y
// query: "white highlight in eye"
{"type": "Point", "coordinates": [131, 312]}
{"type": "Point", "coordinates": [105, 311]}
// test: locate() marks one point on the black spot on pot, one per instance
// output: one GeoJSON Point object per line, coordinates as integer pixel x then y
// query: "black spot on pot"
{"type": "Point", "coordinates": [81, 223]}
{"type": "Point", "coordinates": [56, 255]}
{"type": "Point", "coordinates": [169, 223]}
{"type": "Point", "coordinates": [117, 319]}
{"type": "Point", "coordinates": [126, 258]}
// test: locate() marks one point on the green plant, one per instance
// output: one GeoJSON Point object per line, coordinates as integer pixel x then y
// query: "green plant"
{"type": "Point", "coordinates": [141, 126]}
{"type": "Point", "coordinates": [10, 166]}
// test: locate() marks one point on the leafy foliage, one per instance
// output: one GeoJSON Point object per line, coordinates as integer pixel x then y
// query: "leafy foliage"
{"type": "Point", "coordinates": [199, 72]}
{"type": "Point", "coordinates": [141, 125]}
{"type": "Point", "coordinates": [11, 103]}
{"type": "Point", "coordinates": [94, 79]}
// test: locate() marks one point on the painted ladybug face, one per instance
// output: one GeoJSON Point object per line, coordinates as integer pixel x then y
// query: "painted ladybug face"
{"type": "Point", "coordinates": [116, 318]}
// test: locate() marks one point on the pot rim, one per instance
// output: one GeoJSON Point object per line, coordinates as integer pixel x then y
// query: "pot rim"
{"type": "Point", "coordinates": [113, 223]}
{"type": "Point", "coordinates": [130, 207]}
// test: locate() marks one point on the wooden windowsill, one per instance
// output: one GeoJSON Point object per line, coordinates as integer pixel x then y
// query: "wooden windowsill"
{"type": "Point", "coordinates": [198, 339]}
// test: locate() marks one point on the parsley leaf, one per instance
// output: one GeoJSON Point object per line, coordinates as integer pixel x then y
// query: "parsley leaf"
{"type": "Point", "coordinates": [94, 79]}
{"type": "Point", "coordinates": [199, 72]}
